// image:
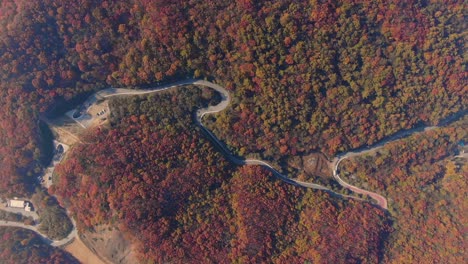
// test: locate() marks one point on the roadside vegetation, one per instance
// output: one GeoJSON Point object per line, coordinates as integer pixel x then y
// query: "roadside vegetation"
{"type": "Point", "coordinates": [14, 217]}
{"type": "Point", "coordinates": [305, 76]}
{"type": "Point", "coordinates": [154, 174]}
{"type": "Point", "coordinates": [53, 220]}
{"type": "Point", "coordinates": [425, 184]}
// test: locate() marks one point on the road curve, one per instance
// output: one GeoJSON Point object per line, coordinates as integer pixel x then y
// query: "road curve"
{"type": "Point", "coordinates": [45, 238]}
{"type": "Point", "coordinates": [225, 101]}
{"type": "Point", "coordinates": [200, 113]}
{"type": "Point", "coordinates": [381, 201]}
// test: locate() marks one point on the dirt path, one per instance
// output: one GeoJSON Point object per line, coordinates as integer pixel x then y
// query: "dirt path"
{"type": "Point", "coordinates": [79, 250]}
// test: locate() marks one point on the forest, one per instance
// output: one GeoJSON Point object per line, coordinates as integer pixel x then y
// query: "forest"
{"type": "Point", "coordinates": [425, 179]}
{"type": "Point", "coordinates": [305, 76]}
{"type": "Point", "coordinates": [155, 175]}
{"type": "Point", "coordinates": [310, 75]}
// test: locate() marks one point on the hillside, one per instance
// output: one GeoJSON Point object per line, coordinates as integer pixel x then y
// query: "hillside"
{"type": "Point", "coordinates": [154, 175]}
{"type": "Point", "coordinates": [308, 80]}
{"type": "Point", "coordinates": [301, 72]}
{"type": "Point", "coordinates": [23, 246]}
{"type": "Point", "coordinates": [425, 178]}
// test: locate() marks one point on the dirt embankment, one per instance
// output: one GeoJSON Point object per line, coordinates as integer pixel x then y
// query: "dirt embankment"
{"type": "Point", "coordinates": [311, 166]}
{"type": "Point", "coordinates": [110, 244]}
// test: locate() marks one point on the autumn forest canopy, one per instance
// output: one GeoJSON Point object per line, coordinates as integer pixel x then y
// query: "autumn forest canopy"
{"type": "Point", "coordinates": [305, 77]}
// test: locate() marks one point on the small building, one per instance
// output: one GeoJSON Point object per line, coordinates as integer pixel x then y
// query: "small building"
{"type": "Point", "coordinates": [16, 203]}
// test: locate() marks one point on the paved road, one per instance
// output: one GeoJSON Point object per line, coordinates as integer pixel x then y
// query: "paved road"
{"type": "Point", "coordinates": [381, 201]}
{"type": "Point", "coordinates": [57, 158]}
{"type": "Point", "coordinates": [55, 243]}
{"type": "Point", "coordinates": [20, 211]}
{"type": "Point", "coordinates": [225, 101]}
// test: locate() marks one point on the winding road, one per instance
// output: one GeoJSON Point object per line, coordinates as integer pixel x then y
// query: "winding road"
{"type": "Point", "coordinates": [55, 243]}
{"type": "Point", "coordinates": [381, 201]}
{"type": "Point", "coordinates": [225, 101]}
